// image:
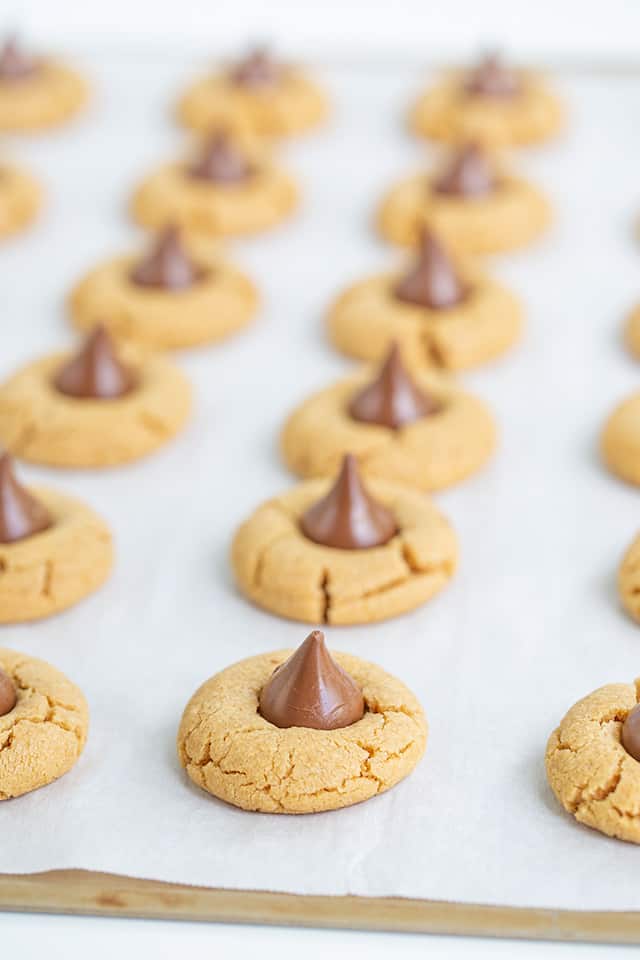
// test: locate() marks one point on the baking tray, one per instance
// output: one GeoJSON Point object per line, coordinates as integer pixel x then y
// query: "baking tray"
{"type": "Point", "coordinates": [530, 624]}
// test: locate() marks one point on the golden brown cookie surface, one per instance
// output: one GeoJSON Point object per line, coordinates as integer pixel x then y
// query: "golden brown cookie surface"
{"type": "Point", "coordinates": [629, 580]}
{"type": "Point", "coordinates": [42, 737]}
{"type": "Point", "coordinates": [50, 96]}
{"type": "Point", "coordinates": [230, 750]}
{"type": "Point", "coordinates": [620, 440]}
{"type": "Point", "coordinates": [511, 216]}
{"type": "Point", "coordinates": [589, 770]}
{"type": "Point", "coordinates": [172, 196]}
{"type": "Point", "coordinates": [433, 452]}
{"type": "Point", "coordinates": [291, 106]}
{"type": "Point", "coordinates": [367, 317]}
{"type": "Point", "coordinates": [280, 569]}
{"type": "Point", "coordinates": [42, 425]}
{"type": "Point", "coordinates": [448, 113]}
{"type": "Point", "coordinates": [219, 304]}
{"type": "Point", "coordinates": [20, 199]}
{"type": "Point", "coordinates": [54, 569]}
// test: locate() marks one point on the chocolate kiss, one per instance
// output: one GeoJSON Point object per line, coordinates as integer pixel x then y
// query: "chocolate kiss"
{"type": "Point", "coordinates": [348, 518]}
{"type": "Point", "coordinates": [631, 733]}
{"type": "Point", "coordinates": [95, 371]}
{"type": "Point", "coordinates": [21, 515]}
{"type": "Point", "coordinates": [15, 65]}
{"type": "Point", "coordinates": [168, 265]}
{"type": "Point", "coordinates": [311, 690]}
{"type": "Point", "coordinates": [8, 696]}
{"type": "Point", "coordinates": [393, 399]}
{"type": "Point", "coordinates": [432, 282]}
{"type": "Point", "coordinates": [221, 161]}
{"type": "Point", "coordinates": [256, 70]}
{"type": "Point", "coordinates": [492, 79]}
{"type": "Point", "coordinates": [468, 175]}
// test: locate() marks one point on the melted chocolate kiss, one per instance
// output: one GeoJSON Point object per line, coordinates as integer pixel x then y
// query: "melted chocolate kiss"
{"type": "Point", "coordinates": [393, 399]}
{"type": "Point", "coordinates": [21, 515]}
{"type": "Point", "coordinates": [311, 690]}
{"type": "Point", "coordinates": [8, 696]}
{"type": "Point", "coordinates": [492, 79]}
{"type": "Point", "coordinates": [168, 265]}
{"type": "Point", "coordinates": [256, 70]}
{"type": "Point", "coordinates": [468, 175]}
{"type": "Point", "coordinates": [348, 518]}
{"type": "Point", "coordinates": [631, 733]}
{"type": "Point", "coordinates": [432, 282]}
{"type": "Point", "coordinates": [95, 371]}
{"type": "Point", "coordinates": [15, 65]}
{"type": "Point", "coordinates": [221, 161]}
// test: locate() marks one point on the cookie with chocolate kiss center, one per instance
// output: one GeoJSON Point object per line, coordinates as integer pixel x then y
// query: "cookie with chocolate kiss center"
{"type": "Point", "coordinates": [95, 372]}
{"type": "Point", "coordinates": [256, 70]}
{"type": "Point", "coordinates": [392, 399]}
{"type": "Point", "coordinates": [348, 518]}
{"type": "Point", "coordinates": [630, 736]}
{"type": "Point", "coordinates": [15, 64]}
{"type": "Point", "coordinates": [469, 174]}
{"type": "Point", "coordinates": [168, 265]}
{"type": "Point", "coordinates": [491, 78]}
{"type": "Point", "coordinates": [8, 695]}
{"type": "Point", "coordinates": [433, 281]}
{"type": "Point", "coordinates": [21, 515]}
{"type": "Point", "coordinates": [311, 690]}
{"type": "Point", "coordinates": [221, 161]}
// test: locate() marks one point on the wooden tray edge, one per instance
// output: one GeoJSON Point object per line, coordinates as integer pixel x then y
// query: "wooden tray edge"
{"type": "Point", "coordinates": [87, 893]}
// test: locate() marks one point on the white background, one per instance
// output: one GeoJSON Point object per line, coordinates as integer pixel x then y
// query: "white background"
{"type": "Point", "coordinates": [591, 310]}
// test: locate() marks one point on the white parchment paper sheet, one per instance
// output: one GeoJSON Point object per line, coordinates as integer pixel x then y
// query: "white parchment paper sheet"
{"type": "Point", "coordinates": [530, 624]}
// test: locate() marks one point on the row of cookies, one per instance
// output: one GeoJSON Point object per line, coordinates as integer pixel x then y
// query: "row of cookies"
{"type": "Point", "coordinates": [352, 553]}
{"type": "Point", "coordinates": [365, 544]}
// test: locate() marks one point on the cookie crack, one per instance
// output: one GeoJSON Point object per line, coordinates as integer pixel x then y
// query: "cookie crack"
{"type": "Point", "coordinates": [600, 794]}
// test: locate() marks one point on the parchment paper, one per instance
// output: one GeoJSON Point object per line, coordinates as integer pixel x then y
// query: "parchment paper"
{"type": "Point", "coordinates": [530, 624]}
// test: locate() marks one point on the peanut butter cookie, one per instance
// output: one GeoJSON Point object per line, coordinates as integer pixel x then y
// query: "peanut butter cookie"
{"type": "Point", "coordinates": [231, 188]}
{"type": "Point", "coordinates": [474, 207]}
{"type": "Point", "coordinates": [632, 332]}
{"type": "Point", "coordinates": [592, 761]}
{"type": "Point", "coordinates": [441, 313]}
{"type": "Point", "coordinates": [339, 553]}
{"type": "Point", "coordinates": [490, 103]}
{"type": "Point", "coordinates": [629, 580]}
{"type": "Point", "coordinates": [418, 430]}
{"type": "Point", "coordinates": [620, 440]}
{"type": "Point", "coordinates": [20, 199]}
{"type": "Point", "coordinates": [177, 296]}
{"type": "Point", "coordinates": [36, 93]}
{"type": "Point", "coordinates": [336, 731]}
{"type": "Point", "coordinates": [53, 550]}
{"type": "Point", "coordinates": [93, 409]}
{"type": "Point", "coordinates": [267, 98]}
{"type": "Point", "coordinates": [44, 721]}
